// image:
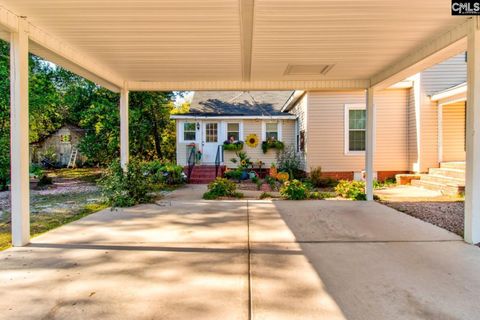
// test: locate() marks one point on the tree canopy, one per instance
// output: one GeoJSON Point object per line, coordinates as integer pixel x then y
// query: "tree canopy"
{"type": "Point", "coordinates": [58, 97]}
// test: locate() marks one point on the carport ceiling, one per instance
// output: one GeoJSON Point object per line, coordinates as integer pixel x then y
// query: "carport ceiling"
{"type": "Point", "coordinates": [240, 40]}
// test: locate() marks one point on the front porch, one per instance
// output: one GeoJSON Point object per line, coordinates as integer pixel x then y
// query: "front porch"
{"type": "Point", "coordinates": [185, 258]}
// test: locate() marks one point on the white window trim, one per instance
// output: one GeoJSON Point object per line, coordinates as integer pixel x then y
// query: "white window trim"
{"type": "Point", "coordinates": [240, 128]}
{"type": "Point", "coordinates": [348, 107]}
{"type": "Point", "coordinates": [264, 129]}
{"type": "Point", "coordinates": [181, 132]}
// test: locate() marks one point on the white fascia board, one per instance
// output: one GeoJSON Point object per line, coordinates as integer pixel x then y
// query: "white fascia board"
{"type": "Point", "coordinates": [457, 90]}
{"type": "Point", "coordinates": [406, 84]}
{"type": "Point", "coordinates": [433, 52]}
{"type": "Point", "coordinates": [292, 101]}
{"type": "Point", "coordinates": [285, 117]}
{"type": "Point", "coordinates": [316, 85]}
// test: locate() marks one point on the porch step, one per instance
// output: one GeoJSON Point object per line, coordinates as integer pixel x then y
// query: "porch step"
{"type": "Point", "coordinates": [447, 172]}
{"type": "Point", "coordinates": [442, 179]}
{"type": "Point", "coordinates": [203, 174]}
{"type": "Point", "coordinates": [444, 188]}
{"type": "Point", "coordinates": [460, 165]}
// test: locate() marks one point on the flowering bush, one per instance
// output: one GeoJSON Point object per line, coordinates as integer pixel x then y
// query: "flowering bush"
{"type": "Point", "coordinates": [354, 190]}
{"type": "Point", "coordinates": [294, 190]}
{"type": "Point", "coordinates": [221, 187]}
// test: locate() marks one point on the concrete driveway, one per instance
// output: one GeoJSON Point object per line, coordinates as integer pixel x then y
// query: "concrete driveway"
{"type": "Point", "coordinates": [185, 258]}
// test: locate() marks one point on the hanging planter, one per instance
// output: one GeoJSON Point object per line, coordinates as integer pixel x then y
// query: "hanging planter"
{"type": "Point", "coordinates": [233, 146]}
{"type": "Point", "coordinates": [272, 144]}
{"type": "Point", "coordinates": [252, 140]}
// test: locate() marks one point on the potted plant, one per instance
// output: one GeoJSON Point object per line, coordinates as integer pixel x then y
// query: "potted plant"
{"type": "Point", "coordinates": [230, 145]}
{"type": "Point", "coordinates": [272, 143]}
{"type": "Point", "coordinates": [273, 171]}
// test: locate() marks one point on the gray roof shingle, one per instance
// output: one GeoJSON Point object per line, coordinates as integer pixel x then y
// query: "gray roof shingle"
{"type": "Point", "coordinates": [238, 103]}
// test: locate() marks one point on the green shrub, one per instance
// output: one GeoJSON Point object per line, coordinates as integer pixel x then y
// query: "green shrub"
{"type": "Point", "coordinates": [44, 180]}
{"type": "Point", "coordinates": [164, 172]}
{"type": "Point", "coordinates": [36, 170]}
{"type": "Point", "coordinates": [265, 195]}
{"type": "Point", "coordinates": [272, 182]}
{"type": "Point", "coordinates": [233, 174]}
{"type": "Point", "coordinates": [126, 188]}
{"type": "Point", "coordinates": [289, 161]}
{"type": "Point", "coordinates": [221, 187]}
{"type": "Point", "coordinates": [294, 190]}
{"type": "Point", "coordinates": [354, 190]}
{"type": "Point", "coordinates": [318, 181]}
{"type": "Point", "coordinates": [4, 162]}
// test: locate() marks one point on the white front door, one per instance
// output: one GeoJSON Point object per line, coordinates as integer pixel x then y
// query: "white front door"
{"type": "Point", "coordinates": [210, 141]}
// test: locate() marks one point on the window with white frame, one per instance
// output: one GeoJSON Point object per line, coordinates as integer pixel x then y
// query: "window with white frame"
{"type": "Point", "coordinates": [355, 129]}
{"type": "Point", "coordinates": [271, 131]}
{"type": "Point", "coordinates": [233, 131]}
{"type": "Point", "coordinates": [189, 131]}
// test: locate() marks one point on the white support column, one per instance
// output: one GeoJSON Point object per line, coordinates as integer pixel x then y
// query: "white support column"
{"type": "Point", "coordinates": [19, 148]}
{"type": "Point", "coordinates": [370, 144]}
{"type": "Point", "coordinates": [440, 132]}
{"type": "Point", "coordinates": [124, 139]}
{"type": "Point", "coordinates": [472, 182]}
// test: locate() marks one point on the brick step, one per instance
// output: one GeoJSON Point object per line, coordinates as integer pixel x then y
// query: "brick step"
{"type": "Point", "coordinates": [202, 176]}
{"type": "Point", "coordinates": [447, 172]}
{"type": "Point", "coordinates": [453, 165]}
{"type": "Point", "coordinates": [200, 181]}
{"type": "Point", "coordinates": [442, 179]}
{"type": "Point", "coordinates": [435, 186]}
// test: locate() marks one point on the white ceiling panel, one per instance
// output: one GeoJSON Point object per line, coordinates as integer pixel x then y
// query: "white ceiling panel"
{"type": "Point", "coordinates": [201, 40]}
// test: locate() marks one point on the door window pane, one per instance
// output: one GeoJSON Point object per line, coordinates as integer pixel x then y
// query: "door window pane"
{"type": "Point", "coordinates": [211, 132]}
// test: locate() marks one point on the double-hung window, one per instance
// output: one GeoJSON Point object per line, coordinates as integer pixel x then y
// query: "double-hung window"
{"type": "Point", "coordinates": [189, 131]}
{"type": "Point", "coordinates": [355, 129]}
{"type": "Point", "coordinates": [271, 130]}
{"type": "Point", "coordinates": [233, 131]}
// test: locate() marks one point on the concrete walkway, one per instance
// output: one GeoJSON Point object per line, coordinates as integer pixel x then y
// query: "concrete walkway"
{"type": "Point", "coordinates": [185, 258]}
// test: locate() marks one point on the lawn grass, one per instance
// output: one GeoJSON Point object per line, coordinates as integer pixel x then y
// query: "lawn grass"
{"type": "Point", "coordinates": [83, 174]}
{"type": "Point", "coordinates": [46, 219]}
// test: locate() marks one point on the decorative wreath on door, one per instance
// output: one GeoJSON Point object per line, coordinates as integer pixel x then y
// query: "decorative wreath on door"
{"type": "Point", "coordinates": [252, 140]}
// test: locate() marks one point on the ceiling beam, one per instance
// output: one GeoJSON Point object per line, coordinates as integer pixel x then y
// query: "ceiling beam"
{"type": "Point", "coordinates": [249, 85]}
{"type": "Point", "coordinates": [432, 52]}
{"type": "Point", "coordinates": [247, 8]}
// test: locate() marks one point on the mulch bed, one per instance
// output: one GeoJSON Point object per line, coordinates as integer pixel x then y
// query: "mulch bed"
{"type": "Point", "coordinates": [444, 214]}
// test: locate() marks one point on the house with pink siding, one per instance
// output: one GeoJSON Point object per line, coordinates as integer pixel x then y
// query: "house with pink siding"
{"type": "Point", "coordinates": [420, 127]}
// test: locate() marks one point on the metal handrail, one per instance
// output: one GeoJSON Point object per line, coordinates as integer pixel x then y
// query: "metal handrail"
{"type": "Point", "coordinates": [191, 163]}
{"type": "Point", "coordinates": [218, 159]}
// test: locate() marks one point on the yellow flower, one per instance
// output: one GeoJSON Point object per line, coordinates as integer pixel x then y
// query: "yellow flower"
{"type": "Point", "coordinates": [243, 163]}
{"type": "Point", "coordinates": [252, 140]}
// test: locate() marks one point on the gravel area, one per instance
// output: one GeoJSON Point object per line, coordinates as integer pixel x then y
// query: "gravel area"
{"type": "Point", "coordinates": [447, 215]}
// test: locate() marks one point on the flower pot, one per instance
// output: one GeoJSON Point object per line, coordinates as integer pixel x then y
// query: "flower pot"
{"type": "Point", "coordinates": [244, 175]}
{"type": "Point", "coordinates": [273, 172]}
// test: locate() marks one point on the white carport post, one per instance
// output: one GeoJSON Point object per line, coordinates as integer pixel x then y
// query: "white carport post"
{"type": "Point", "coordinates": [369, 144]}
{"type": "Point", "coordinates": [472, 183]}
{"type": "Point", "coordinates": [124, 138]}
{"type": "Point", "coordinates": [19, 148]}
